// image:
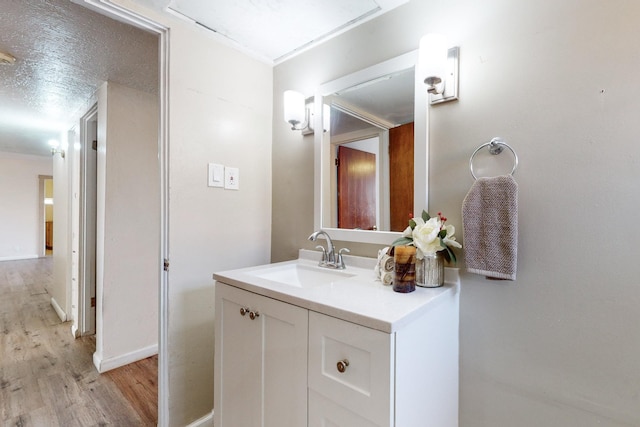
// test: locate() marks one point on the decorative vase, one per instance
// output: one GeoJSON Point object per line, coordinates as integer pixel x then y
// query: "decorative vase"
{"type": "Point", "coordinates": [430, 270]}
{"type": "Point", "coordinates": [404, 279]}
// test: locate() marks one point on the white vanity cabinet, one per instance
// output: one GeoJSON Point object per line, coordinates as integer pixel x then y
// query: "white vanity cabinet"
{"type": "Point", "coordinates": [351, 353]}
{"type": "Point", "coordinates": [260, 361]}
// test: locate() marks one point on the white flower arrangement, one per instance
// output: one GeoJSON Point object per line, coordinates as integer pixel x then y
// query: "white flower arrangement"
{"type": "Point", "coordinates": [430, 235]}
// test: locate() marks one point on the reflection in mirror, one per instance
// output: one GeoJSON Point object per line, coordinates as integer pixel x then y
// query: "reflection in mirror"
{"type": "Point", "coordinates": [371, 141]}
{"type": "Point", "coordinates": [371, 161]}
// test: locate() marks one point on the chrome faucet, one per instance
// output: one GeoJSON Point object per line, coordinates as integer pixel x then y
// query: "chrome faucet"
{"type": "Point", "coordinates": [329, 258]}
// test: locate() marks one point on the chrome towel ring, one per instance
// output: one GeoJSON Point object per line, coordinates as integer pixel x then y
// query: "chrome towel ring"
{"type": "Point", "coordinates": [496, 145]}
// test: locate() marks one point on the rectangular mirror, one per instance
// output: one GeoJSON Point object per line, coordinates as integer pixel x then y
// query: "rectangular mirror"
{"type": "Point", "coordinates": [371, 159]}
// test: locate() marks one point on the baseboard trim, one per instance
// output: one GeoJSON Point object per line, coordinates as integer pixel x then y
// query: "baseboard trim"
{"type": "Point", "coordinates": [206, 421]}
{"type": "Point", "coordinates": [17, 258]}
{"type": "Point", "coordinates": [59, 311]}
{"type": "Point", "coordinates": [104, 365]}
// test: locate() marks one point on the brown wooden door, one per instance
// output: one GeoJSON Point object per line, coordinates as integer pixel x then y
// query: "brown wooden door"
{"type": "Point", "coordinates": [401, 175]}
{"type": "Point", "coordinates": [356, 189]}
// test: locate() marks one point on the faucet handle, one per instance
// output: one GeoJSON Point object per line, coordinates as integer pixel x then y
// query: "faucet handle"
{"type": "Point", "coordinates": [324, 253]}
{"type": "Point", "coordinates": [340, 261]}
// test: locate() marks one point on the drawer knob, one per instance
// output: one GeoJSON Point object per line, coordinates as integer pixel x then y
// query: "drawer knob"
{"type": "Point", "coordinates": [244, 311]}
{"type": "Point", "coordinates": [253, 315]}
{"type": "Point", "coordinates": [342, 365]}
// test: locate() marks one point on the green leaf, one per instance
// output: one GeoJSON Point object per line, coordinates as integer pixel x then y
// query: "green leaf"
{"type": "Point", "coordinates": [442, 234]}
{"type": "Point", "coordinates": [412, 224]}
{"type": "Point", "coordinates": [402, 241]}
{"type": "Point", "coordinates": [451, 254]}
{"type": "Point", "coordinates": [448, 254]}
{"type": "Point", "coordinates": [425, 216]}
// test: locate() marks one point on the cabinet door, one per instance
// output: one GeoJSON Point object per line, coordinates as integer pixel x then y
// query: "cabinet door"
{"type": "Point", "coordinates": [353, 366]}
{"type": "Point", "coordinates": [260, 363]}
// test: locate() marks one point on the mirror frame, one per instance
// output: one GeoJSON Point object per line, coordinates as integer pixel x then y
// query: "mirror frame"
{"type": "Point", "coordinates": [420, 147]}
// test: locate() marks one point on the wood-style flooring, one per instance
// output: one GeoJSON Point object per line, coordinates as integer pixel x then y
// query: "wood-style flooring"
{"type": "Point", "coordinates": [47, 377]}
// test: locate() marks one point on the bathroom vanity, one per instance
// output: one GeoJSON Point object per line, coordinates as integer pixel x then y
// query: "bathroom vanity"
{"type": "Point", "coordinates": [300, 345]}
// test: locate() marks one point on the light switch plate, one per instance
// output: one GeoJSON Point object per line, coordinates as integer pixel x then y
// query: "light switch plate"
{"type": "Point", "coordinates": [216, 175]}
{"type": "Point", "coordinates": [231, 178]}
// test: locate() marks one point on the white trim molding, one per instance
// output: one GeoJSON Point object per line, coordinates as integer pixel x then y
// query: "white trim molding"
{"type": "Point", "coordinates": [104, 365]}
{"type": "Point", "coordinates": [18, 258]}
{"type": "Point", "coordinates": [206, 421]}
{"type": "Point", "coordinates": [59, 311]}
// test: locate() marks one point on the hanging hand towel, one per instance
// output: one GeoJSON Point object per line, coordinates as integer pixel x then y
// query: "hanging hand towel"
{"type": "Point", "coordinates": [490, 227]}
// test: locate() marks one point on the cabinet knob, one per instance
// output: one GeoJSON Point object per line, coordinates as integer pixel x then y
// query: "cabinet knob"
{"type": "Point", "coordinates": [244, 311]}
{"type": "Point", "coordinates": [253, 315]}
{"type": "Point", "coordinates": [342, 365]}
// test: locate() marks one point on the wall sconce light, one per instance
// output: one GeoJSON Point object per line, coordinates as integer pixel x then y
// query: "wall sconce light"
{"type": "Point", "coordinates": [7, 59]}
{"type": "Point", "coordinates": [298, 111]}
{"type": "Point", "coordinates": [438, 65]}
{"type": "Point", "coordinates": [55, 148]}
{"type": "Point", "coordinates": [294, 110]}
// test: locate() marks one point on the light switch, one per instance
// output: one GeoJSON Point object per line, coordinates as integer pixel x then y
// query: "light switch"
{"type": "Point", "coordinates": [216, 175]}
{"type": "Point", "coordinates": [231, 178]}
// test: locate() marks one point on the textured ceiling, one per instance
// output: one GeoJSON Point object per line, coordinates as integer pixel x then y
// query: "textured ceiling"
{"type": "Point", "coordinates": [64, 52]}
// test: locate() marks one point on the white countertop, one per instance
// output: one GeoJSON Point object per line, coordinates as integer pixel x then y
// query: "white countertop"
{"type": "Point", "coordinates": [360, 299]}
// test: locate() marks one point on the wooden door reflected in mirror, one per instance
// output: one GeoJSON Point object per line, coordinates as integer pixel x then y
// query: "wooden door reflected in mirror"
{"type": "Point", "coordinates": [356, 189]}
{"type": "Point", "coordinates": [401, 175]}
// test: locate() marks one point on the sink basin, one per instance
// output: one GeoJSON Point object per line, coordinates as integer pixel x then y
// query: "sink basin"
{"type": "Point", "coordinates": [299, 275]}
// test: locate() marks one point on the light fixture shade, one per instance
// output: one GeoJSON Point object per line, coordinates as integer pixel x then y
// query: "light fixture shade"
{"type": "Point", "coordinates": [55, 147]}
{"type": "Point", "coordinates": [294, 108]}
{"type": "Point", "coordinates": [433, 58]}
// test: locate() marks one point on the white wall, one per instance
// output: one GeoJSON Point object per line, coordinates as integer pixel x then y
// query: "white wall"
{"type": "Point", "coordinates": [557, 80]}
{"type": "Point", "coordinates": [220, 110]}
{"type": "Point", "coordinates": [128, 242]}
{"type": "Point", "coordinates": [20, 205]}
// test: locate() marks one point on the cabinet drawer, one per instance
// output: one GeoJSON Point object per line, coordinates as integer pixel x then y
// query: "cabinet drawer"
{"type": "Point", "coordinates": [365, 380]}
{"type": "Point", "coordinates": [324, 412]}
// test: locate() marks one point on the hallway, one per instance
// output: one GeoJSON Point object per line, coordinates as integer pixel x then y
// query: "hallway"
{"type": "Point", "coordinates": [46, 377]}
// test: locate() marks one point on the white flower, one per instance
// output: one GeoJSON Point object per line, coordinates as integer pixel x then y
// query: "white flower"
{"type": "Point", "coordinates": [425, 235]}
{"type": "Point", "coordinates": [450, 239]}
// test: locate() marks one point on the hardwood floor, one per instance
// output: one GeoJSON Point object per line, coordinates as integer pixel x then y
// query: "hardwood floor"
{"type": "Point", "coordinates": [47, 378]}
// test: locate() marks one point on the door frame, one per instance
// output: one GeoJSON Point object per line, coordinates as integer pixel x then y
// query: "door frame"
{"type": "Point", "coordinates": [115, 11]}
{"type": "Point", "coordinates": [87, 287]}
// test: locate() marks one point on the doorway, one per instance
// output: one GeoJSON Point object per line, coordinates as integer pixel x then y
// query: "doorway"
{"type": "Point", "coordinates": [48, 216]}
{"type": "Point", "coordinates": [88, 218]}
{"type": "Point", "coordinates": [45, 215]}
{"type": "Point", "coordinates": [122, 14]}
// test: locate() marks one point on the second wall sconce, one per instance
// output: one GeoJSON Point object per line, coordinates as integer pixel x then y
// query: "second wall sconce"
{"type": "Point", "coordinates": [55, 148]}
{"type": "Point", "coordinates": [438, 67]}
